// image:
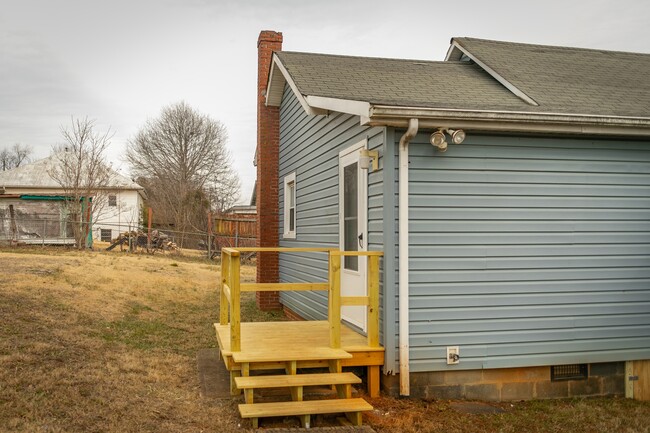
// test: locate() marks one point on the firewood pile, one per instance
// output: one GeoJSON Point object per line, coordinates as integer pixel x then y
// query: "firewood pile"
{"type": "Point", "coordinates": [134, 239]}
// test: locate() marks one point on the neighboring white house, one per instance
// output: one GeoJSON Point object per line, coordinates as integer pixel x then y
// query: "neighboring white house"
{"type": "Point", "coordinates": [122, 211]}
{"type": "Point", "coordinates": [34, 192]}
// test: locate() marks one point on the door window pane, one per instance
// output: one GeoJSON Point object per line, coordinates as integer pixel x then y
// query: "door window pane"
{"type": "Point", "coordinates": [350, 215]}
{"type": "Point", "coordinates": [292, 206]}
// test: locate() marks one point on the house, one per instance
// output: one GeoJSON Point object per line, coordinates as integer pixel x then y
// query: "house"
{"type": "Point", "coordinates": [508, 188]}
{"type": "Point", "coordinates": [36, 198]}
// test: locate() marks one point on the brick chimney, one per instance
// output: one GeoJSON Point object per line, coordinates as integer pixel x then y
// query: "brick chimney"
{"type": "Point", "coordinates": [268, 145]}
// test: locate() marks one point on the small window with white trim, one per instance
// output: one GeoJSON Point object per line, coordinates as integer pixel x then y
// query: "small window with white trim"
{"type": "Point", "coordinates": [290, 206]}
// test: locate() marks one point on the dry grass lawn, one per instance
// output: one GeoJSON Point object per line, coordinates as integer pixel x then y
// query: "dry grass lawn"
{"type": "Point", "coordinates": [107, 342]}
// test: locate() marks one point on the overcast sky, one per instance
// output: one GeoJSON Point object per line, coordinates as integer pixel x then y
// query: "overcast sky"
{"type": "Point", "coordinates": [121, 61]}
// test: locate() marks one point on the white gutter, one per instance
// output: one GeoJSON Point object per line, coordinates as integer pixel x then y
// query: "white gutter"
{"type": "Point", "coordinates": [404, 387]}
{"type": "Point", "coordinates": [533, 123]}
{"type": "Point", "coordinates": [404, 112]}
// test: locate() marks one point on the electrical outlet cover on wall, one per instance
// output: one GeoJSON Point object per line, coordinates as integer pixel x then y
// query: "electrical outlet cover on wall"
{"type": "Point", "coordinates": [453, 355]}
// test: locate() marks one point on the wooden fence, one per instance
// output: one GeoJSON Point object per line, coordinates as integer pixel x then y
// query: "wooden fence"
{"type": "Point", "coordinates": [234, 231]}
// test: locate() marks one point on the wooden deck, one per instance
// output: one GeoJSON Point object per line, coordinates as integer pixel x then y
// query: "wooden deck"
{"type": "Point", "coordinates": [307, 342]}
{"type": "Point", "coordinates": [296, 339]}
{"type": "Point", "coordinates": [295, 346]}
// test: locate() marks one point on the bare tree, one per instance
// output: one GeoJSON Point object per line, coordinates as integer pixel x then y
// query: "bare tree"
{"type": "Point", "coordinates": [182, 161]}
{"type": "Point", "coordinates": [83, 174]}
{"type": "Point", "coordinates": [15, 156]}
{"type": "Point", "coordinates": [6, 160]}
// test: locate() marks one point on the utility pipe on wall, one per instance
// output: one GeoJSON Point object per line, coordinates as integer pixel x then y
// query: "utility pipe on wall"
{"type": "Point", "coordinates": [404, 386]}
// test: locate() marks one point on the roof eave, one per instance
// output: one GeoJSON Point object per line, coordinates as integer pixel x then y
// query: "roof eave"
{"type": "Point", "coordinates": [509, 121]}
{"type": "Point", "coordinates": [278, 77]}
{"type": "Point", "coordinates": [349, 106]}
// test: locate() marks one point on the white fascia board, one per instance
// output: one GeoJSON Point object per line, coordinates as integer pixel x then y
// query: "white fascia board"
{"type": "Point", "coordinates": [507, 84]}
{"type": "Point", "coordinates": [508, 121]}
{"type": "Point", "coordinates": [349, 106]}
{"type": "Point", "coordinates": [453, 47]}
{"type": "Point", "coordinates": [277, 78]}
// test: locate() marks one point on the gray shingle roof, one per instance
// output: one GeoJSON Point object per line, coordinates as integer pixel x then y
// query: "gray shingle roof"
{"type": "Point", "coordinates": [571, 80]}
{"type": "Point", "coordinates": [396, 82]}
{"type": "Point", "coordinates": [35, 175]}
{"type": "Point", "coordinates": [561, 80]}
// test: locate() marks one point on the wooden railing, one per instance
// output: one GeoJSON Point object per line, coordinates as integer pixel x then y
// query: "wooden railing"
{"type": "Point", "coordinates": [231, 288]}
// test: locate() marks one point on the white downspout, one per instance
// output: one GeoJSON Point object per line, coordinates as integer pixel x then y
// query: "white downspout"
{"type": "Point", "coordinates": [404, 387]}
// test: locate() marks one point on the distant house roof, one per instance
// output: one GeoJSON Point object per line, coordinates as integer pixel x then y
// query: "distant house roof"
{"type": "Point", "coordinates": [242, 209]}
{"type": "Point", "coordinates": [36, 175]}
{"type": "Point", "coordinates": [480, 81]}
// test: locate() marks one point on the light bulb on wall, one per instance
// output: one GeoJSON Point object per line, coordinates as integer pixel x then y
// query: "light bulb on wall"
{"type": "Point", "coordinates": [437, 140]}
{"type": "Point", "coordinates": [457, 135]}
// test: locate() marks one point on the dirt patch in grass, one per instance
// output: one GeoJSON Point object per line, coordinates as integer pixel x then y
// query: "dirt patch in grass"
{"type": "Point", "coordinates": [576, 415]}
{"type": "Point", "coordinates": [108, 342]}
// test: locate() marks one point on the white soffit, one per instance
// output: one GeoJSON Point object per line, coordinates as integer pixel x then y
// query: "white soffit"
{"type": "Point", "coordinates": [359, 108]}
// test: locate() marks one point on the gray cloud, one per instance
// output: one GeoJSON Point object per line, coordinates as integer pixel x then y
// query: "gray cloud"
{"type": "Point", "coordinates": [121, 61]}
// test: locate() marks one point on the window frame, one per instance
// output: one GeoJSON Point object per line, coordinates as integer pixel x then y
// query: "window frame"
{"type": "Point", "coordinates": [289, 184]}
{"type": "Point", "coordinates": [102, 232]}
{"type": "Point", "coordinates": [112, 198]}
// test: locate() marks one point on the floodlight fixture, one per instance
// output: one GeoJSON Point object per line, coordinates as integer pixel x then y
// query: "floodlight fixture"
{"type": "Point", "coordinates": [438, 141]}
{"type": "Point", "coordinates": [457, 135]}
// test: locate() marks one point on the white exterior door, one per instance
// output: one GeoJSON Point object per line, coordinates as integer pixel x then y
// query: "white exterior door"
{"type": "Point", "coordinates": [353, 231]}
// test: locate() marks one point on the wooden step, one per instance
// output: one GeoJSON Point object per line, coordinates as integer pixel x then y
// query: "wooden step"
{"type": "Point", "coordinates": [306, 354]}
{"type": "Point", "coordinates": [290, 380]}
{"type": "Point", "coordinates": [297, 408]}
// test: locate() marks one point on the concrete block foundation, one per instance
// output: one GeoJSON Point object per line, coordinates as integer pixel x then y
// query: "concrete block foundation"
{"type": "Point", "coordinates": [509, 384]}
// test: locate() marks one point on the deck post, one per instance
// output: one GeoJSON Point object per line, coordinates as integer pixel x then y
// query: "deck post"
{"type": "Point", "coordinates": [224, 304]}
{"type": "Point", "coordinates": [354, 418]}
{"type": "Point", "coordinates": [373, 381]}
{"type": "Point", "coordinates": [235, 317]}
{"type": "Point", "coordinates": [373, 322]}
{"type": "Point", "coordinates": [334, 299]}
{"type": "Point", "coordinates": [373, 301]}
{"type": "Point", "coordinates": [248, 392]}
{"type": "Point", "coordinates": [233, 386]}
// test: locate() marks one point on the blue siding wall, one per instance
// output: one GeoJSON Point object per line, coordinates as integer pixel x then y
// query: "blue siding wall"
{"type": "Point", "coordinates": [529, 251]}
{"type": "Point", "coordinates": [310, 146]}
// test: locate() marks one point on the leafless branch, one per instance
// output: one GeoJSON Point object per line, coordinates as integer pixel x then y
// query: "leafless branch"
{"type": "Point", "coordinates": [83, 174]}
{"type": "Point", "coordinates": [182, 161]}
{"type": "Point", "coordinates": [14, 157]}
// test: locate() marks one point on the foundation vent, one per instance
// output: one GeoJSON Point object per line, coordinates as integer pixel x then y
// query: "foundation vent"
{"type": "Point", "coordinates": [569, 372]}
